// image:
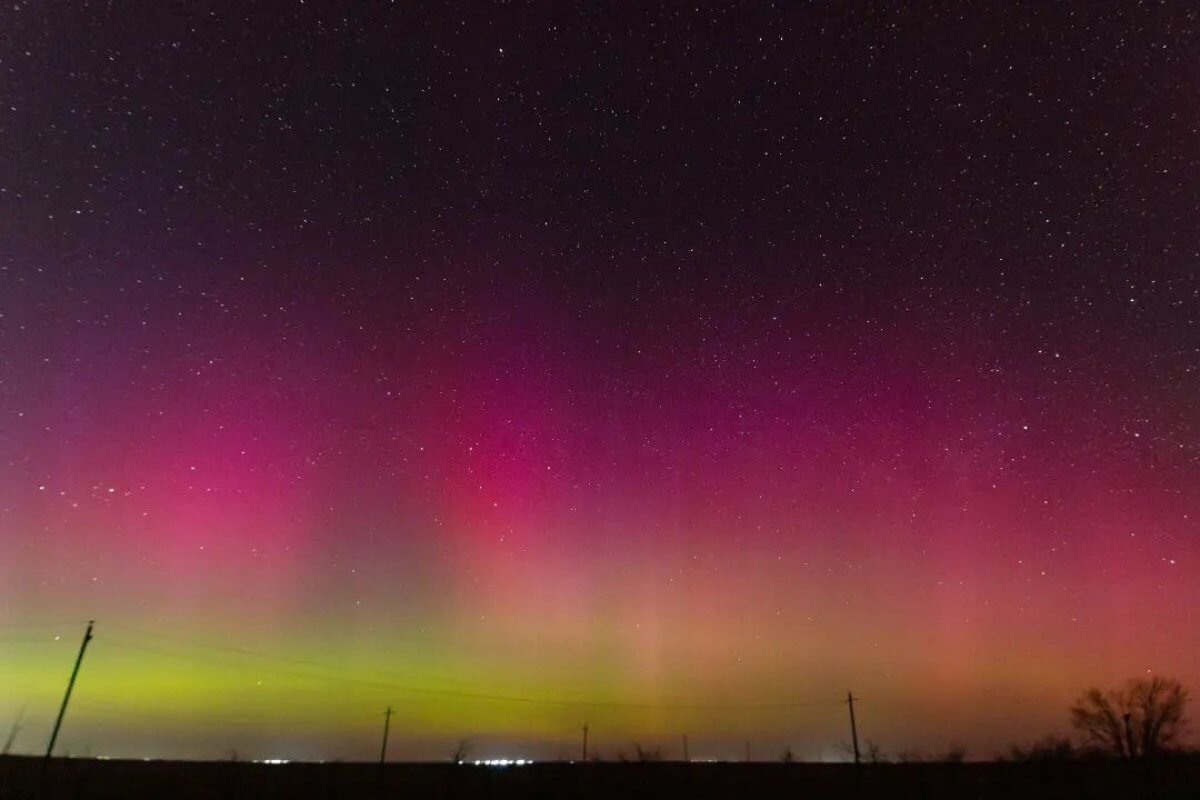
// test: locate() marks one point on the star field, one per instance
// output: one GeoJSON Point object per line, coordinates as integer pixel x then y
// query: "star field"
{"type": "Point", "coordinates": [653, 358]}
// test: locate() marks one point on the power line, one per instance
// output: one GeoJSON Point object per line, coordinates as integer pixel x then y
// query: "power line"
{"type": "Point", "coordinates": [29, 640]}
{"type": "Point", "coordinates": [466, 695]}
{"type": "Point", "coordinates": [113, 714]}
{"type": "Point", "coordinates": [514, 694]}
{"type": "Point", "coordinates": [248, 653]}
{"type": "Point", "coordinates": [27, 625]}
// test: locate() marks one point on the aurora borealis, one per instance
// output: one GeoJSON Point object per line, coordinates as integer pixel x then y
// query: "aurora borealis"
{"type": "Point", "coordinates": [669, 370]}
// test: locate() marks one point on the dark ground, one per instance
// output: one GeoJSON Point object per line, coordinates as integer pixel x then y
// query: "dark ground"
{"type": "Point", "coordinates": [86, 779]}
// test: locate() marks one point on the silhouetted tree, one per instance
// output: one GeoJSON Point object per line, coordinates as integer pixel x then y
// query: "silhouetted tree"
{"type": "Point", "coordinates": [955, 754]}
{"type": "Point", "coordinates": [461, 750]}
{"type": "Point", "coordinates": [1139, 719]}
{"type": "Point", "coordinates": [871, 752]}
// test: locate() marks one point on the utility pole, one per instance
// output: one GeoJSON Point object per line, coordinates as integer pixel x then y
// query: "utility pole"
{"type": "Point", "coordinates": [13, 731]}
{"type": "Point", "coordinates": [853, 727]}
{"type": "Point", "coordinates": [685, 748]}
{"type": "Point", "coordinates": [387, 723]}
{"type": "Point", "coordinates": [585, 732]}
{"type": "Point", "coordinates": [747, 752]}
{"type": "Point", "coordinates": [87, 637]}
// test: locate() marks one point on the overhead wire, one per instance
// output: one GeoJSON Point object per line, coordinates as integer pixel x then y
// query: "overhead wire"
{"type": "Point", "coordinates": [316, 668]}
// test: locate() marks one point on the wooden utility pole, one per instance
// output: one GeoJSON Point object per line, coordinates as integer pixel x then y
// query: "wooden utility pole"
{"type": "Point", "coordinates": [853, 727]}
{"type": "Point", "coordinates": [585, 733]}
{"type": "Point", "coordinates": [87, 637]}
{"type": "Point", "coordinates": [685, 749]}
{"type": "Point", "coordinates": [387, 723]}
{"type": "Point", "coordinates": [13, 731]}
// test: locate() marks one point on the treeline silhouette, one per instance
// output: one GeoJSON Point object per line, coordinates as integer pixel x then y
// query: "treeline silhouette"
{"type": "Point", "coordinates": [1129, 743]}
{"type": "Point", "coordinates": [1142, 719]}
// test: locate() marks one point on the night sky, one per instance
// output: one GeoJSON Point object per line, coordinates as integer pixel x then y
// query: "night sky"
{"type": "Point", "coordinates": [668, 369]}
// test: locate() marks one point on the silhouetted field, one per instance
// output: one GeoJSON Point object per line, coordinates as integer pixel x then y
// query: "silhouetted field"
{"type": "Point", "coordinates": [86, 779]}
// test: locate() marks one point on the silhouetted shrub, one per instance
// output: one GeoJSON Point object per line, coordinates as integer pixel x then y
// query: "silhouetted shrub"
{"type": "Point", "coordinates": [955, 754]}
{"type": "Point", "coordinates": [646, 754]}
{"type": "Point", "coordinates": [1049, 748]}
